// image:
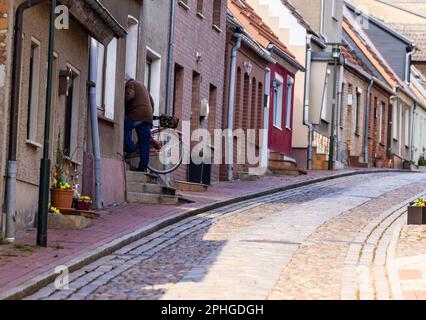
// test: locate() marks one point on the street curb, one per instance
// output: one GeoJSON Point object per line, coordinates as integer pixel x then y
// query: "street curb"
{"type": "Point", "coordinates": [31, 286]}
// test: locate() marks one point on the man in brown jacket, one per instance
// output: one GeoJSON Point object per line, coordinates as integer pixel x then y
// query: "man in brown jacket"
{"type": "Point", "coordinates": [139, 116]}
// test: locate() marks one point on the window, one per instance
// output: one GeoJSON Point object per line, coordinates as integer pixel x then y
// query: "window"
{"type": "Point", "coordinates": [278, 101]}
{"type": "Point", "coordinates": [358, 109]}
{"type": "Point", "coordinates": [254, 111]}
{"type": "Point", "coordinates": [217, 12]}
{"type": "Point", "coordinates": [106, 78]}
{"type": "Point", "coordinates": [333, 7]}
{"type": "Point", "coordinates": [33, 91]}
{"type": "Point", "coordinates": [71, 116]}
{"type": "Point", "coordinates": [324, 107]}
{"type": "Point", "coordinates": [395, 122]}
{"type": "Point", "coordinates": [289, 102]}
{"type": "Point", "coordinates": [213, 107]}
{"type": "Point", "coordinates": [407, 127]}
{"type": "Point", "coordinates": [152, 77]}
{"type": "Point", "coordinates": [342, 107]}
{"type": "Point", "coordinates": [200, 6]}
{"type": "Point", "coordinates": [132, 46]}
{"type": "Point", "coordinates": [381, 107]}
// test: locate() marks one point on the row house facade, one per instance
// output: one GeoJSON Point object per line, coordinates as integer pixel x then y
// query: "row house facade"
{"type": "Point", "coordinates": [280, 78]}
{"type": "Point", "coordinates": [23, 94]}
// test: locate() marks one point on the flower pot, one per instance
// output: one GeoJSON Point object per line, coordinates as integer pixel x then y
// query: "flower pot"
{"type": "Point", "coordinates": [379, 163]}
{"type": "Point", "coordinates": [61, 198]}
{"type": "Point", "coordinates": [416, 215]}
{"type": "Point", "coordinates": [83, 205]}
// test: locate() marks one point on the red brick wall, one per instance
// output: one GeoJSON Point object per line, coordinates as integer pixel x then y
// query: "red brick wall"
{"type": "Point", "coordinates": [4, 21]}
{"type": "Point", "coordinates": [194, 33]}
{"type": "Point", "coordinates": [246, 115]}
{"type": "Point", "coordinates": [376, 148]}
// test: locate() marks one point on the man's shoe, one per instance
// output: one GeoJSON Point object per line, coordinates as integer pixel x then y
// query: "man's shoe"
{"type": "Point", "coordinates": [140, 170]}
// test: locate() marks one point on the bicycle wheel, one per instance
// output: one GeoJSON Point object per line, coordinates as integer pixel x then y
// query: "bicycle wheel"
{"type": "Point", "coordinates": [166, 151]}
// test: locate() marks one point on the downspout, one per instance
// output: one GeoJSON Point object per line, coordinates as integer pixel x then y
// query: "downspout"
{"type": "Point", "coordinates": [408, 64]}
{"type": "Point", "coordinates": [339, 110]}
{"type": "Point", "coordinates": [14, 117]}
{"type": "Point", "coordinates": [234, 51]}
{"type": "Point", "coordinates": [94, 123]}
{"type": "Point", "coordinates": [170, 63]}
{"type": "Point", "coordinates": [367, 120]}
{"type": "Point", "coordinates": [306, 121]}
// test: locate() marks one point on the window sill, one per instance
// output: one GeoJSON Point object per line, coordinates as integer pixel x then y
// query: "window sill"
{"type": "Point", "coordinates": [217, 28]}
{"type": "Point", "coordinates": [357, 134]}
{"type": "Point", "coordinates": [105, 119]}
{"type": "Point", "coordinates": [395, 139]}
{"type": "Point", "coordinates": [382, 144]}
{"type": "Point", "coordinates": [34, 144]}
{"type": "Point", "coordinates": [73, 161]}
{"type": "Point", "coordinates": [200, 15]}
{"type": "Point", "coordinates": [184, 5]}
{"type": "Point", "coordinates": [276, 127]}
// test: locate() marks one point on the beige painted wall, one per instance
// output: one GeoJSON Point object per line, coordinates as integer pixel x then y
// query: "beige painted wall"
{"type": "Point", "coordinates": [72, 50]}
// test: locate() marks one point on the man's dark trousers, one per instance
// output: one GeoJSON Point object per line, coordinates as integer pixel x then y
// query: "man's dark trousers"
{"type": "Point", "coordinates": [143, 130]}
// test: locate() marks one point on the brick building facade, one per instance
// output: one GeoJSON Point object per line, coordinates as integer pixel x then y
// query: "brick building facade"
{"type": "Point", "coordinates": [200, 35]}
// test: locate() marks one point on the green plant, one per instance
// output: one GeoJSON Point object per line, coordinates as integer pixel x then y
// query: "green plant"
{"type": "Point", "coordinates": [60, 173]}
{"type": "Point", "coordinates": [4, 242]}
{"type": "Point", "coordinates": [422, 160]}
{"type": "Point", "coordinates": [24, 247]}
{"type": "Point", "coordinates": [420, 202]}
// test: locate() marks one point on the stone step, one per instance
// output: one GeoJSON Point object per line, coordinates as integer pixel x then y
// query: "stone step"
{"type": "Point", "coordinates": [152, 198]}
{"type": "Point", "coordinates": [190, 186]}
{"type": "Point", "coordinates": [283, 172]}
{"type": "Point", "coordinates": [150, 188]}
{"type": "Point", "coordinates": [245, 176]}
{"type": "Point", "coordinates": [140, 177]}
{"type": "Point", "coordinates": [276, 156]}
{"type": "Point", "coordinates": [282, 165]}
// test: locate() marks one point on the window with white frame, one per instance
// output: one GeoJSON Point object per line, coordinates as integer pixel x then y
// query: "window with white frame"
{"type": "Point", "coordinates": [407, 127]}
{"type": "Point", "coordinates": [132, 46]}
{"type": "Point", "coordinates": [333, 8]}
{"type": "Point", "coordinates": [106, 78]}
{"type": "Point", "coordinates": [152, 77]}
{"type": "Point", "coordinates": [289, 102]}
{"type": "Point", "coordinates": [71, 119]}
{"type": "Point", "coordinates": [33, 91]}
{"type": "Point", "coordinates": [381, 122]}
{"type": "Point", "coordinates": [324, 108]}
{"type": "Point", "coordinates": [278, 101]}
{"type": "Point", "coordinates": [395, 122]}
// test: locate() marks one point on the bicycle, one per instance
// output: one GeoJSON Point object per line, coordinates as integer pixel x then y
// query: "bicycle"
{"type": "Point", "coordinates": [166, 147]}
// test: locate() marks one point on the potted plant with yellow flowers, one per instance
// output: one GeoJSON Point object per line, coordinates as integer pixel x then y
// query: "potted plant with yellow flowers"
{"type": "Point", "coordinates": [61, 193]}
{"type": "Point", "coordinates": [417, 212]}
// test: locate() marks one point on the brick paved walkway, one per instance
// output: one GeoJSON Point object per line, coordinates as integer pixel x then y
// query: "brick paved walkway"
{"type": "Point", "coordinates": [22, 261]}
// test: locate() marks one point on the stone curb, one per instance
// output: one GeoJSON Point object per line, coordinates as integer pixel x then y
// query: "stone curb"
{"type": "Point", "coordinates": [31, 286]}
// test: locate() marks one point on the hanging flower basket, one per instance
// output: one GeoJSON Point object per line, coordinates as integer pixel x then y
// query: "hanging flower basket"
{"type": "Point", "coordinates": [62, 198]}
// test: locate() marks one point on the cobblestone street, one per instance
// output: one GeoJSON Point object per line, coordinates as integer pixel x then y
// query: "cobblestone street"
{"type": "Point", "coordinates": [337, 239]}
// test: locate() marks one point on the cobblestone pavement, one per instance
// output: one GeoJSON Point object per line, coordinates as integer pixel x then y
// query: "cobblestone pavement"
{"type": "Point", "coordinates": [308, 243]}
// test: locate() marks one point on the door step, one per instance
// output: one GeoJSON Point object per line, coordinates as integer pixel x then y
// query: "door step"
{"type": "Point", "coordinates": [185, 186]}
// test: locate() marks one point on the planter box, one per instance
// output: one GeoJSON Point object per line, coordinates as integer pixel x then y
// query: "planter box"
{"type": "Point", "coordinates": [416, 215]}
{"type": "Point", "coordinates": [69, 222]}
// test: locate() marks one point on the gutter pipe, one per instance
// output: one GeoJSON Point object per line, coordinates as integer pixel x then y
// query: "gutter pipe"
{"type": "Point", "coordinates": [306, 121]}
{"type": "Point", "coordinates": [170, 62]}
{"type": "Point", "coordinates": [14, 117]}
{"type": "Point", "coordinates": [94, 123]}
{"type": "Point", "coordinates": [234, 51]}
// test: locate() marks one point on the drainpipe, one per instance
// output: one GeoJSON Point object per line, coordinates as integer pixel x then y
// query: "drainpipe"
{"type": "Point", "coordinates": [322, 13]}
{"type": "Point", "coordinates": [94, 123]}
{"type": "Point", "coordinates": [170, 62]}
{"type": "Point", "coordinates": [408, 63]}
{"type": "Point", "coordinates": [339, 110]}
{"type": "Point", "coordinates": [14, 117]}
{"type": "Point", "coordinates": [234, 51]}
{"type": "Point", "coordinates": [306, 121]}
{"type": "Point", "coordinates": [367, 120]}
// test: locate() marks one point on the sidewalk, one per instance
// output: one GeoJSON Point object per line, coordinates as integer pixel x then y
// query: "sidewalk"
{"type": "Point", "coordinates": [22, 262]}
